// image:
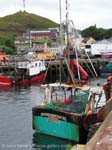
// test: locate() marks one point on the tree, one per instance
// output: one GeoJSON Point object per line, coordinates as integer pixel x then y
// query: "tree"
{"type": "Point", "coordinates": [108, 34]}
{"type": "Point", "coordinates": [97, 33]}
{"type": "Point", "coordinates": [91, 32]}
{"type": "Point", "coordinates": [7, 50]}
{"type": "Point", "coordinates": [7, 44]}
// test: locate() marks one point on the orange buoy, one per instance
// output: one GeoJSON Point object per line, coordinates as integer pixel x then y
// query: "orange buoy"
{"type": "Point", "coordinates": [89, 112]}
{"type": "Point", "coordinates": [42, 104]}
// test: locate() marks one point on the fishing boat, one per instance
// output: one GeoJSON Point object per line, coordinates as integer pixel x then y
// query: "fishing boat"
{"type": "Point", "coordinates": [70, 111]}
{"type": "Point", "coordinates": [67, 111]}
{"type": "Point", "coordinates": [21, 71]}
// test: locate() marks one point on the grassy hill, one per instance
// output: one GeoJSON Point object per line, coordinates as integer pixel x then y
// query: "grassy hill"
{"type": "Point", "coordinates": [18, 23]}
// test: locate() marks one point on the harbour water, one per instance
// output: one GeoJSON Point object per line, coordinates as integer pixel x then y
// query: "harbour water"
{"type": "Point", "coordinates": [16, 131]}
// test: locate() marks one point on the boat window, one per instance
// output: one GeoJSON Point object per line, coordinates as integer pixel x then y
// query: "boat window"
{"type": "Point", "coordinates": [60, 94]}
{"type": "Point", "coordinates": [87, 46]}
{"type": "Point", "coordinates": [21, 65]}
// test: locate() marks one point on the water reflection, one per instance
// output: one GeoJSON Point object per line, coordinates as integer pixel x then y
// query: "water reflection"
{"type": "Point", "coordinates": [5, 88]}
{"type": "Point", "coordinates": [16, 116]}
{"type": "Point", "coordinates": [46, 142]}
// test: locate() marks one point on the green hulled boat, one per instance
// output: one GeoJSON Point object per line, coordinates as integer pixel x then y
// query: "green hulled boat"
{"type": "Point", "coordinates": [64, 112]}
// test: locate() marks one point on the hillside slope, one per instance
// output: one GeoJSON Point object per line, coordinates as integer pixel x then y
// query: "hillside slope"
{"type": "Point", "coordinates": [20, 22]}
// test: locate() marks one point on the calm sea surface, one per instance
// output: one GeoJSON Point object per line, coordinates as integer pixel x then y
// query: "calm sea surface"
{"type": "Point", "coordinates": [16, 131]}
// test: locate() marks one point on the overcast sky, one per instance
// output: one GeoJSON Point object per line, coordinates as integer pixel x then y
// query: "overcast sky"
{"type": "Point", "coordinates": [84, 13]}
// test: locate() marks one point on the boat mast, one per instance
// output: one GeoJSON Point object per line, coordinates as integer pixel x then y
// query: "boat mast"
{"type": "Point", "coordinates": [60, 39]}
{"type": "Point", "coordinates": [67, 22]}
{"type": "Point", "coordinates": [60, 25]}
{"type": "Point", "coordinates": [67, 61]}
{"type": "Point", "coordinates": [68, 36]}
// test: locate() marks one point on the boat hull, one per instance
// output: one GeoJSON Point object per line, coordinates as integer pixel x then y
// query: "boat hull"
{"type": "Point", "coordinates": [34, 79]}
{"type": "Point", "coordinates": [60, 129]}
{"type": "Point", "coordinates": [55, 123]}
{"type": "Point", "coordinates": [7, 80]}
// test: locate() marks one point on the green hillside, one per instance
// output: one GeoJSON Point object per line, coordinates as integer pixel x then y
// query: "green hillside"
{"type": "Point", "coordinates": [18, 23]}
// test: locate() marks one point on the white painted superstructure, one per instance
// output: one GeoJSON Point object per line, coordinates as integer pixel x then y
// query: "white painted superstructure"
{"type": "Point", "coordinates": [33, 67]}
